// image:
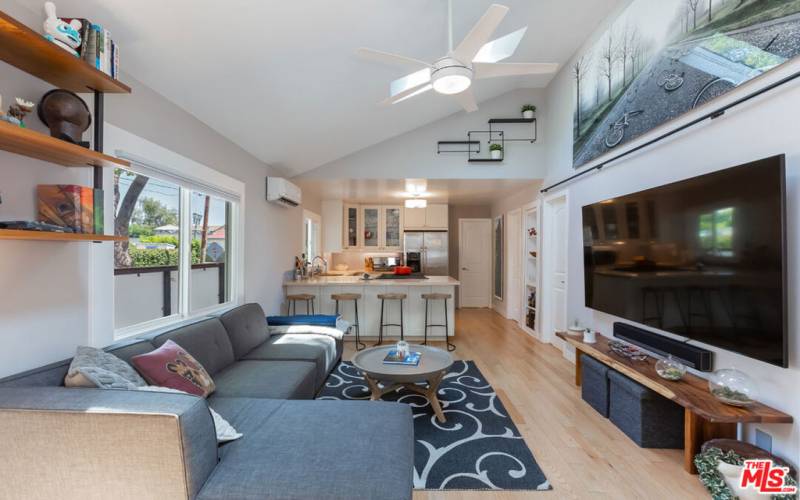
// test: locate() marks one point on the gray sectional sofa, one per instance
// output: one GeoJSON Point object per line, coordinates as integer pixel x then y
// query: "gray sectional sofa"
{"type": "Point", "coordinates": [96, 443]}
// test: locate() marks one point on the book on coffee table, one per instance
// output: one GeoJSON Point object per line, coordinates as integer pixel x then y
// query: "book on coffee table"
{"type": "Point", "coordinates": [394, 358]}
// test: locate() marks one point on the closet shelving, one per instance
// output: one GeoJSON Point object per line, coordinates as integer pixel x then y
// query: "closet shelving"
{"type": "Point", "coordinates": [531, 237]}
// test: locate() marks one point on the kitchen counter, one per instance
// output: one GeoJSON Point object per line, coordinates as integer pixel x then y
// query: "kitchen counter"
{"type": "Point", "coordinates": [358, 281]}
{"type": "Point", "coordinates": [369, 306]}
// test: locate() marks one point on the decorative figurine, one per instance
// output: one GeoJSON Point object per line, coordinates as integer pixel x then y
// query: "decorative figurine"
{"type": "Point", "coordinates": [18, 111]}
{"type": "Point", "coordinates": [66, 114]}
{"type": "Point", "coordinates": [65, 35]}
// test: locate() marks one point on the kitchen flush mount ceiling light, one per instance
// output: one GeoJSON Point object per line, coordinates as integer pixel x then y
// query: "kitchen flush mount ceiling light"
{"type": "Point", "coordinates": [416, 203]}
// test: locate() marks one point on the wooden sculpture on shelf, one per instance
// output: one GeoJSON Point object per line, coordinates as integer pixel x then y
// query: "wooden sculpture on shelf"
{"type": "Point", "coordinates": [66, 114]}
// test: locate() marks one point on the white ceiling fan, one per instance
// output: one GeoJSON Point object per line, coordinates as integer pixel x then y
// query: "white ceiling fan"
{"type": "Point", "coordinates": [474, 58]}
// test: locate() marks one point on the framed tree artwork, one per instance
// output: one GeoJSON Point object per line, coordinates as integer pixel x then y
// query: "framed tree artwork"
{"type": "Point", "coordinates": [660, 59]}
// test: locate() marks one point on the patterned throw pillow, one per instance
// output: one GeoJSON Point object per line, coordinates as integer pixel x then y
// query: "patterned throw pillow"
{"type": "Point", "coordinates": [171, 366]}
{"type": "Point", "coordinates": [92, 367]}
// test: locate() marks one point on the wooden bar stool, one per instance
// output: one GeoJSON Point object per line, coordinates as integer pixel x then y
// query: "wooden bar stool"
{"type": "Point", "coordinates": [308, 298]}
{"type": "Point", "coordinates": [355, 297]}
{"type": "Point", "coordinates": [446, 325]}
{"type": "Point", "coordinates": [391, 296]}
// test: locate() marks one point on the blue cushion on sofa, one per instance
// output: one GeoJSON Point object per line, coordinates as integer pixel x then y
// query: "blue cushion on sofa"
{"type": "Point", "coordinates": [305, 319]}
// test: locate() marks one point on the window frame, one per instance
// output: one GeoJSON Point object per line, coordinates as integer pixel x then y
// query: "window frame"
{"type": "Point", "coordinates": [193, 177]}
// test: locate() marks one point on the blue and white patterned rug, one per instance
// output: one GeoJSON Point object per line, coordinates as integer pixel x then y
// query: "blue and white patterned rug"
{"type": "Point", "coordinates": [478, 448]}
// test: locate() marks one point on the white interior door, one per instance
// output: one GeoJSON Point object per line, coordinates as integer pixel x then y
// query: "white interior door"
{"type": "Point", "coordinates": [475, 262]}
{"type": "Point", "coordinates": [514, 265]}
{"type": "Point", "coordinates": [554, 234]}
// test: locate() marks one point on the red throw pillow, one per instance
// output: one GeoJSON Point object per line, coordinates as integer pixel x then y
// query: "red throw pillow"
{"type": "Point", "coordinates": [171, 366]}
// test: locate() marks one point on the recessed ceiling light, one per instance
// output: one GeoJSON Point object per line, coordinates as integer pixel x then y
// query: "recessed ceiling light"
{"type": "Point", "coordinates": [416, 186]}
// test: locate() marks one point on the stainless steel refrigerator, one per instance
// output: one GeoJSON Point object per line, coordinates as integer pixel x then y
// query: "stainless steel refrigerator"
{"type": "Point", "coordinates": [426, 252]}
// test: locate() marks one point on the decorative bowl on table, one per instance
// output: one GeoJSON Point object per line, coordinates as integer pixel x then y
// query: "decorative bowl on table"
{"type": "Point", "coordinates": [733, 387]}
{"type": "Point", "coordinates": [670, 368]}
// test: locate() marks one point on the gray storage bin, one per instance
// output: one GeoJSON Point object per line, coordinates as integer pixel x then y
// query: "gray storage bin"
{"type": "Point", "coordinates": [594, 383]}
{"type": "Point", "coordinates": [649, 419]}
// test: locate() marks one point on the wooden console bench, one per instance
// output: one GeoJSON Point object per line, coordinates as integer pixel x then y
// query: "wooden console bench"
{"type": "Point", "coordinates": [705, 418]}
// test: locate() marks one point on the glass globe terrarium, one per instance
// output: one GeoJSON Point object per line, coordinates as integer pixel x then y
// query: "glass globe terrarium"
{"type": "Point", "coordinates": [670, 368]}
{"type": "Point", "coordinates": [733, 387]}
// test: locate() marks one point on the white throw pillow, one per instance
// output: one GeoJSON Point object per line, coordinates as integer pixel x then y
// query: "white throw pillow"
{"type": "Point", "coordinates": [732, 474]}
{"type": "Point", "coordinates": [225, 431]}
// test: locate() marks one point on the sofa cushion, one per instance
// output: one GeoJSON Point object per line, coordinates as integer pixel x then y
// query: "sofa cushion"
{"type": "Point", "coordinates": [207, 341]}
{"type": "Point", "coordinates": [266, 379]}
{"type": "Point", "coordinates": [246, 326]}
{"type": "Point", "coordinates": [171, 366]}
{"type": "Point", "coordinates": [279, 458]}
{"type": "Point", "coordinates": [318, 349]}
{"type": "Point", "coordinates": [93, 367]}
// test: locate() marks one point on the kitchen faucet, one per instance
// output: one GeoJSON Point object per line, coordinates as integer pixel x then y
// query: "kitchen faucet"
{"type": "Point", "coordinates": [323, 261]}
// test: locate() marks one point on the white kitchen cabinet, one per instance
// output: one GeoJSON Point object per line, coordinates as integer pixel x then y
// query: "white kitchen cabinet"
{"type": "Point", "coordinates": [434, 216]}
{"type": "Point", "coordinates": [391, 228]}
{"type": "Point", "coordinates": [414, 218]}
{"type": "Point", "coordinates": [371, 228]}
{"type": "Point", "coordinates": [352, 226]}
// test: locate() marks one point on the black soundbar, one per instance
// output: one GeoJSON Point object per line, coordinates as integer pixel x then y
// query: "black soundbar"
{"type": "Point", "coordinates": [693, 356]}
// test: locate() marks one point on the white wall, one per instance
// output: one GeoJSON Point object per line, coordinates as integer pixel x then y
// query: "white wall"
{"type": "Point", "coordinates": [413, 154]}
{"type": "Point", "coordinates": [761, 128]}
{"type": "Point", "coordinates": [50, 289]}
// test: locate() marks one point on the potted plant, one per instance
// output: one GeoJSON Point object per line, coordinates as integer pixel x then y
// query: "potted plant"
{"type": "Point", "coordinates": [528, 110]}
{"type": "Point", "coordinates": [496, 151]}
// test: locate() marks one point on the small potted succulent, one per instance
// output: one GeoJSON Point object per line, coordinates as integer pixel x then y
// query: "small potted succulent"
{"type": "Point", "coordinates": [496, 150]}
{"type": "Point", "coordinates": [528, 110]}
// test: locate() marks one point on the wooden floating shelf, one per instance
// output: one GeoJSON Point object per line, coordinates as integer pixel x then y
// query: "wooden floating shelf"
{"type": "Point", "coordinates": [29, 51]}
{"type": "Point", "coordinates": [19, 234]}
{"type": "Point", "coordinates": [28, 142]}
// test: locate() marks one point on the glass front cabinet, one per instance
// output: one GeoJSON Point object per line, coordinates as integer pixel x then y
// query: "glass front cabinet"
{"type": "Point", "coordinates": [352, 223]}
{"type": "Point", "coordinates": [373, 227]}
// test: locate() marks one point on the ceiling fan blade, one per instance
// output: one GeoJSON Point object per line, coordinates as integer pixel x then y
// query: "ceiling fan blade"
{"type": "Point", "coordinates": [467, 100]}
{"type": "Point", "coordinates": [480, 33]}
{"type": "Point", "coordinates": [387, 58]}
{"type": "Point", "coordinates": [500, 48]}
{"type": "Point", "coordinates": [406, 94]}
{"type": "Point", "coordinates": [492, 70]}
{"type": "Point", "coordinates": [410, 81]}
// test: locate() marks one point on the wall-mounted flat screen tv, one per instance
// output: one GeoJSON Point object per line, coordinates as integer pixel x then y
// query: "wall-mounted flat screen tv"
{"type": "Point", "coordinates": [703, 258]}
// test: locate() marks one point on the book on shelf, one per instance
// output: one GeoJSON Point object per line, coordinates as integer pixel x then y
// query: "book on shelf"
{"type": "Point", "coordinates": [409, 359]}
{"type": "Point", "coordinates": [99, 212]}
{"type": "Point", "coordinates": [98, 49]}
{"type": "Point", "coordinates": [71, 206]}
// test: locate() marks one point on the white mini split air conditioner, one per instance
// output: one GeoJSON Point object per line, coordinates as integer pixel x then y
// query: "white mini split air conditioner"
{"type": "Point", "coordinates": [283, 192]}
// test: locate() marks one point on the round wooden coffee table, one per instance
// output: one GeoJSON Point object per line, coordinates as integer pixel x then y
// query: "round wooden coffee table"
{"type": "Point", "coordinates": [433, 365]}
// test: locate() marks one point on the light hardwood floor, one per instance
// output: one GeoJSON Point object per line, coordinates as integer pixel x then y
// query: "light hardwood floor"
{"type": "Point", "coordinates": [581, 453]}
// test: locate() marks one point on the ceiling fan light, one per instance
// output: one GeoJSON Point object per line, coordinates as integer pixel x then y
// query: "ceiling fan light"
{"type": "Point", "coordinates": [452, 79]}
{"type": "Point", "coordinates": [416, 203]}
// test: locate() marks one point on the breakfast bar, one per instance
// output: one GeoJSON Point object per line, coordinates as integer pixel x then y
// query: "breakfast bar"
{"type": "Point", "coordinates": [369, 306]}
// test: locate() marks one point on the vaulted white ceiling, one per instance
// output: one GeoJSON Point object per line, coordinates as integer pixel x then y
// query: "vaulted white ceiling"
{"type": "Point", "coordinates": [280, 78]}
